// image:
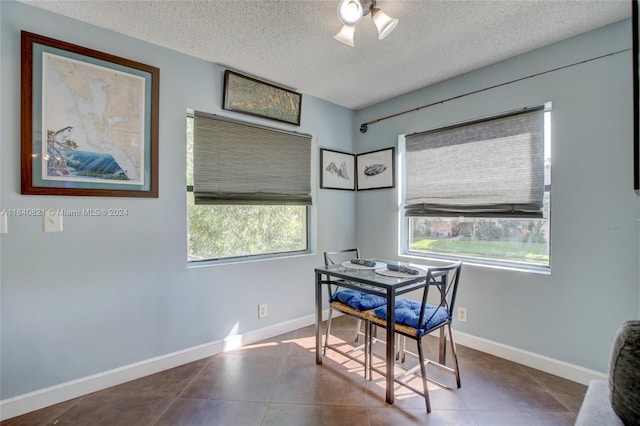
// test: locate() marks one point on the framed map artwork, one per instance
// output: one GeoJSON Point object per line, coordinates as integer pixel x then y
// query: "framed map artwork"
{"type": "Point", "coordinates": [89, 122]}
{"type": "Point", "coordinates": [250, 96]}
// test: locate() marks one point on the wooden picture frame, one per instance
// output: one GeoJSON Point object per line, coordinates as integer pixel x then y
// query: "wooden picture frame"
{"type": "Point", "coordinates": [337, 170]}
{"type": "Point", "coordinates": [89, 122]}
{"type": "Point", "coordinates": [258, 98]}
{"type": "Point", "coordinates": [636, 94]}
{"type": "Point", "coordinates": [376, 169]}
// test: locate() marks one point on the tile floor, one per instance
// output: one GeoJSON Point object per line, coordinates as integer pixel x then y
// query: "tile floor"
{"type": "Point", "coordinates": [276, 382]}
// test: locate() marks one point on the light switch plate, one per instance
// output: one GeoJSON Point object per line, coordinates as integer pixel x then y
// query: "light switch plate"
{"type": "Point", "coordinates": [52, 222]}
{"type": "Point", "coordinates": [3, 224]}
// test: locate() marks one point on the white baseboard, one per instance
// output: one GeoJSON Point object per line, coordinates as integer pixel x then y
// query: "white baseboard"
{"type": "Point", "coordinates": [36, 400]}
{"type": "Point", "coordinates": [539, 362]}
{"type": "Point", "coordinates": [41, 398]}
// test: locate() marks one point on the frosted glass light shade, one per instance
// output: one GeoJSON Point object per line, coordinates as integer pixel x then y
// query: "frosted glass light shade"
{"type": "Point", "coordinates": [350, 12]}
{"type": "Point", "coordinates": [384, 23]}
{"type": "Point", "coordinates": [346, 35]}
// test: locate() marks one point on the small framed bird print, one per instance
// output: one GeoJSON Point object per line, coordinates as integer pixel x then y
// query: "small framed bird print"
{"type": "Point", "coordinates": [337, 170]}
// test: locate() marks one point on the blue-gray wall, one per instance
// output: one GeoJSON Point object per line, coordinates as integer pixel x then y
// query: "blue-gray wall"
{"type": "Point", "coordinates": [108, 292]}
{"type": "Point", "coordinates": [573, 313]}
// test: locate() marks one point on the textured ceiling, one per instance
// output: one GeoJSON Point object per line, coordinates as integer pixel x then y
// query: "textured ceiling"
{"type": "Point", "coordinates": [290, 42]}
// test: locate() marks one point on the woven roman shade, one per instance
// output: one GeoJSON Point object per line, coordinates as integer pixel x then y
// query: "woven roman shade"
{"type": "Point", "coordinates": [492, 167]}
{"type": "Point", "coordinates": [240, 163]}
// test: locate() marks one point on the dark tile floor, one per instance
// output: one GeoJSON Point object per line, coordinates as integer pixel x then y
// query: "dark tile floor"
{"type": "Point", "coordinates": [276, 382]}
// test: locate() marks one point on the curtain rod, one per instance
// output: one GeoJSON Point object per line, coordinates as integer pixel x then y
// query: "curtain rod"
{"type": "Point", "coordinates": [364, 126]}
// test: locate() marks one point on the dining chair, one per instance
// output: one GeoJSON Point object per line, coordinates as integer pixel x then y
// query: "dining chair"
{"type": "Point", "coordinates": [354, 303]}
{"type": "Point", "coordinates": [415, 319]}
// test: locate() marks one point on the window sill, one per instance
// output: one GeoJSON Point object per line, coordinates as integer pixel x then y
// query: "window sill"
{"type": "Point", "coordinates": [246, 259]}
{"type": "Point", "coordinates": [534, 269]}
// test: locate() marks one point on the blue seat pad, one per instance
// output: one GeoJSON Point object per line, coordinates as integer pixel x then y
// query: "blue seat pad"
{"type": "Point", "coordinates": [408, 313]}
{"type": "Point", "coordinates": [358, 299]}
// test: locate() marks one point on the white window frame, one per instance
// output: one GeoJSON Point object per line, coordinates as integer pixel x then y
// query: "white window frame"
{"type": "Point", "coordinates": [253, 257]}
{"type": "Point", "coordinates": [403, 221]}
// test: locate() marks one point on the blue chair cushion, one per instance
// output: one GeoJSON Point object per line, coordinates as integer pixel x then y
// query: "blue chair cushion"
{"type": "Point", "coordinates": [408, 313]}
{"type": "Point", "coordinates": [358, 299]}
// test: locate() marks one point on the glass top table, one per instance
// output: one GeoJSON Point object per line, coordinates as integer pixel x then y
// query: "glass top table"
{"type": "Point", "coordinates": [376, 280]}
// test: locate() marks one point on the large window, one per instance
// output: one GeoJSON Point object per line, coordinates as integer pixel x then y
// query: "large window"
{"type": "Point", "coordinates": [481, 190]}
{"type": "Point", "coordinates": [247, 190]}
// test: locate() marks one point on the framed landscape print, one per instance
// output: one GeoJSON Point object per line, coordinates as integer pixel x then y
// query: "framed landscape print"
{"type": "Point", "coordinates": [89, 122]}
{"type": "Point", "coordinates": [636, 94]}
{"type": "Point", "coordinates": [337, 170]}
{"type": "Point", "coordinates": [376, 169]}
{"type": "Point", "coordinates": [251, 96]}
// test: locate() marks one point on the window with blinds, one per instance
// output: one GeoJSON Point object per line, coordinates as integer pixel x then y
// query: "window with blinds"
{"type": "Point", "coordinates": [493, 167]}
{"type": "Point", "coordinates": [240, 163]}
{"type": "Point", "coordinates": [248, 190]}
{"type": "Point", "coordinates": [481, 189]}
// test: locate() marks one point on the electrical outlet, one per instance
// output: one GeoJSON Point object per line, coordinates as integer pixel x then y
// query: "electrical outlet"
{"type": "Point", "coordinates": [462, 314]}
{"type": "Point", "coordinates": [262, 310]}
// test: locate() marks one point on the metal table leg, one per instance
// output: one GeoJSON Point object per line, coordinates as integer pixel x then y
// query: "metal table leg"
{"type": "Point", "coordinates": [318, 318]}
{"type": "Point", "coordinates": [390, 358]}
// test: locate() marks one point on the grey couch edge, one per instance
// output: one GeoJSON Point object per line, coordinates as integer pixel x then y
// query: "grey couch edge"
{"type": "Point", "coordinates": [596, 408]}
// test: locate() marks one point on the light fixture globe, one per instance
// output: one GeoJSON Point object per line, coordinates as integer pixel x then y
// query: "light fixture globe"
{"type": "Point", "coordinates": [350, 12]}
{"type": "Point", "coordinates": [384, 23]}
{"type": "Point", "coordinates": [346, 35]}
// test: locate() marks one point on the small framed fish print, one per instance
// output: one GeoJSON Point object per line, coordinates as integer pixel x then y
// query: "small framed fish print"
{"type": "Point", "coordinates": [376, 169]}
{"type": "Point", "coordinates": [337, 170]}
